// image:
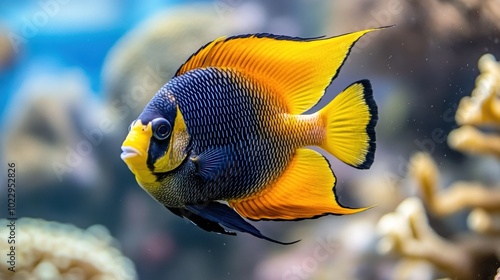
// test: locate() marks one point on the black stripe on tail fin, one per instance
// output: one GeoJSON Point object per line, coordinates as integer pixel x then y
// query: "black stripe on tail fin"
{"type": "Point", "coordinates": [350, 125]}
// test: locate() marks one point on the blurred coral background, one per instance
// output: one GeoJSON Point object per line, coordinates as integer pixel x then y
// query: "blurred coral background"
{"type": "Point", "coordinates": [74, 74]}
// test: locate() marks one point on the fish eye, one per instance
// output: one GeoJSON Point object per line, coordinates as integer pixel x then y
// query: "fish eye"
{"type": "Point", "coordinates": [161, 128]}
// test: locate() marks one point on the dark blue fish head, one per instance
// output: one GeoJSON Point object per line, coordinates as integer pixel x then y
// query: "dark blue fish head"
{"type": "Point", "coordinates": [162, 105]}
{"type": "Point", "coordinates": [159, 134]}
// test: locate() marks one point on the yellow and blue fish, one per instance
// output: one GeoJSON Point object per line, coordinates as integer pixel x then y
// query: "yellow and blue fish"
{"type": "Point", "coordinates": [226, 138]}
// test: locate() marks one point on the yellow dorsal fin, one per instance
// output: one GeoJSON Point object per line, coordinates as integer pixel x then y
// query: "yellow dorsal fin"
{"type": "Point", "coordinates": [297, 70]}
{"type": "Point", "coordinates": [304, 190]}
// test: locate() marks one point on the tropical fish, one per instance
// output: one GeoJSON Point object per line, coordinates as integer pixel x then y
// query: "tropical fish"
{"type": "Point", "coordinates": [227, 138]}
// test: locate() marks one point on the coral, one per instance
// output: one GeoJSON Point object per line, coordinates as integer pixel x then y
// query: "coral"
{"type": "Point", "coordinates": [481, 109]}
{"type": "Point", "coordinates": [406, 232]}
{"type": "Point", "coordinates": [458, 196]}
{"type": "Point", "coordinates": [469, 139]}
{"type": "Point", "coordinates": [483, 221]}
{"type": "Point", "coordinates": [474, 254]}
{"type": "Point", "coordinates": [50, 250]}
{"type": "Point", "coordinates": [45, 121]}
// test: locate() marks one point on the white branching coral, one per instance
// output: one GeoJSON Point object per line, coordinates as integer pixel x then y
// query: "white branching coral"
{"type": "Point", "coordinates": [51, 250]}
{"type": "Point", "coordinates": [458, 196]}
{"type": "Point", "coordinates": [483, 106]}
{"type": "Point", "coordinates": [406, 231]}
{"type": "Point", "coordinates": [481, 109]}
{"type": "Point", "coordinates": [469, 139]}
{"type": "Point", "coordinates": [483, 221]}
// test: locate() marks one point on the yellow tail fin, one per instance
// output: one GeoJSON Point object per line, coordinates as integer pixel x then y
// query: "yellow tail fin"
{"type": "Point", "coordinates": [350, 125]}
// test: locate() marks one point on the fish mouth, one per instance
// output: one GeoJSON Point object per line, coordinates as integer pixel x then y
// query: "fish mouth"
{"type": "Point", "coordinates": [129, 152]}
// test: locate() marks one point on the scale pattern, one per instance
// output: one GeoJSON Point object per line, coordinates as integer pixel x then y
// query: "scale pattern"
{"type": "Point", "coordinates": [224, 110]}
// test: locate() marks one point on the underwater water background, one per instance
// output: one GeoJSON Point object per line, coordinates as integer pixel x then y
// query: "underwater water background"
{"type": "Point", "coordinates": [74, 74]}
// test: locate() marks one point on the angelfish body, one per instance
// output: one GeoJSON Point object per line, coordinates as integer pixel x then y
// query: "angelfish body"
{"type": "Point", "coordinates": [230, 126]}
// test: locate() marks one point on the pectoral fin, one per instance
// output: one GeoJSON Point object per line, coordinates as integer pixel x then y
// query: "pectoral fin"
{"type": "Point", "coordinates": [211, 162]}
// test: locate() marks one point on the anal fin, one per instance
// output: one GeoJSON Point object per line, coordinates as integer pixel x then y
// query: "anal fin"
{"type": "Point", "coordinates": [304, 190]}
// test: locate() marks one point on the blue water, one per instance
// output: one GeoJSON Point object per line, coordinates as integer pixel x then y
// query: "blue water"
{"type": "Point", "coordinates": [52, 35]}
